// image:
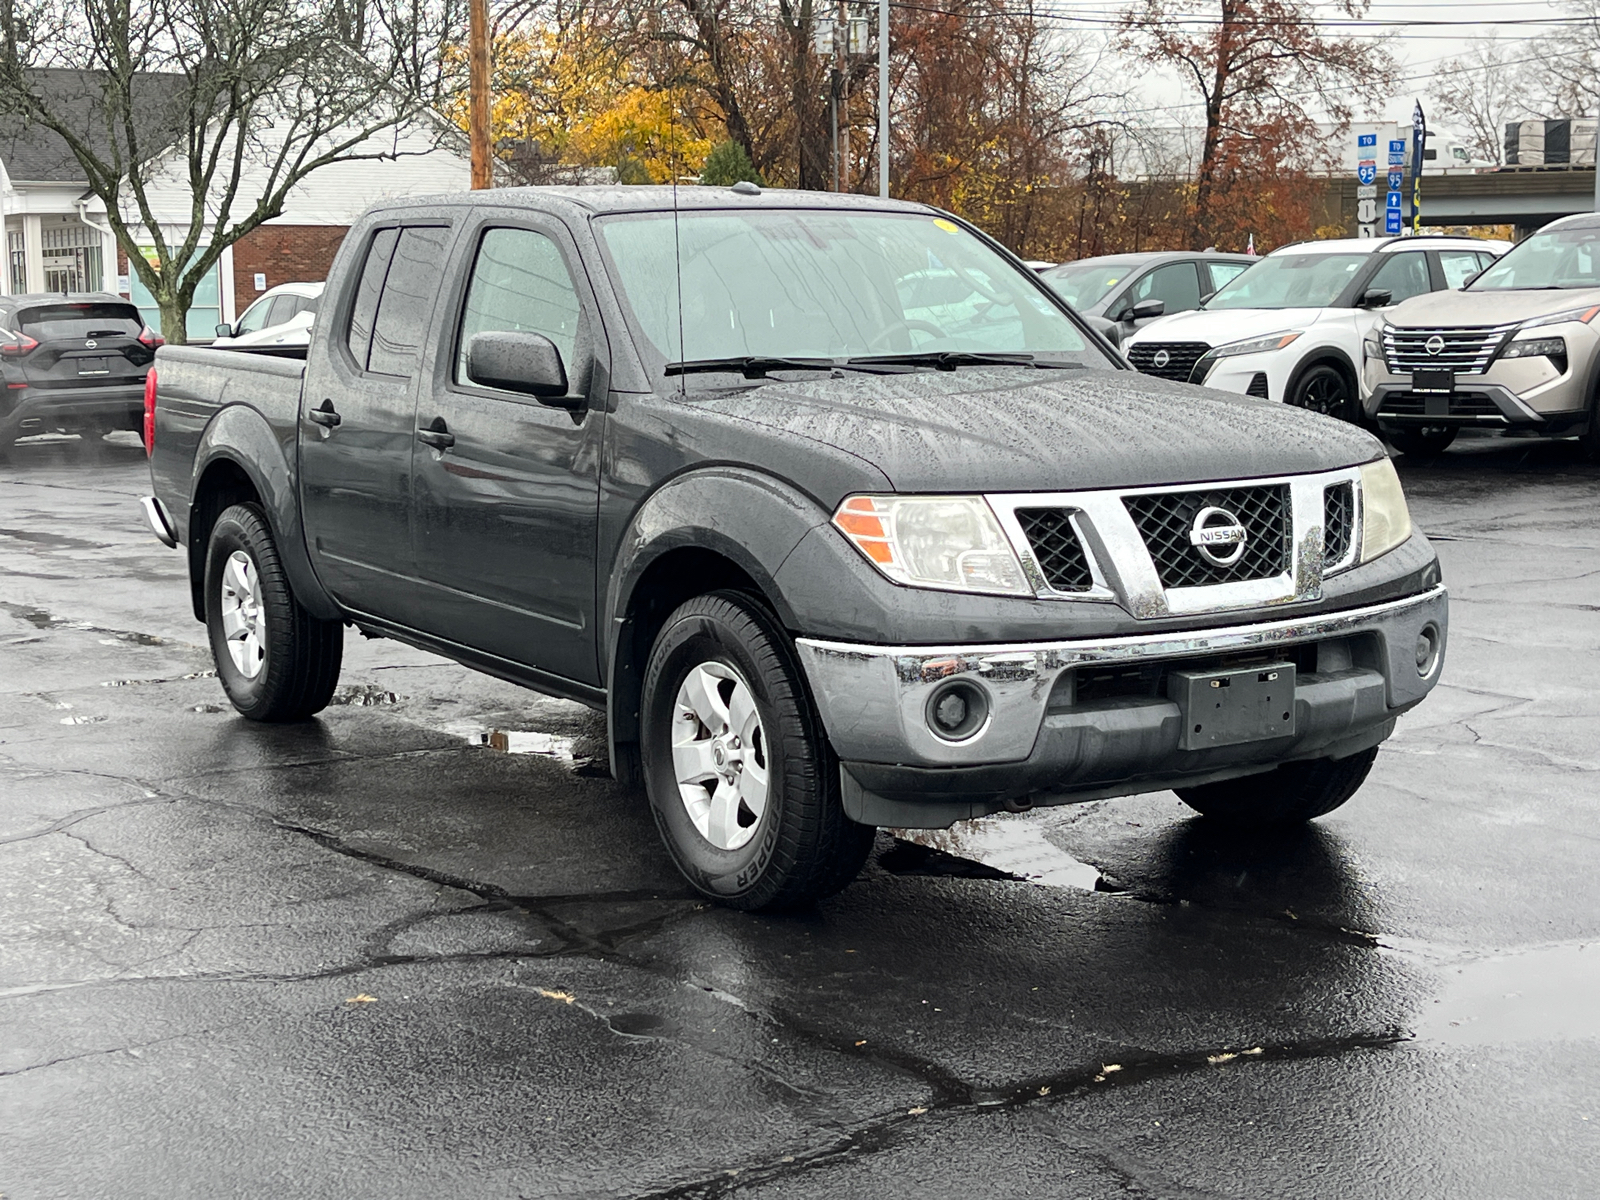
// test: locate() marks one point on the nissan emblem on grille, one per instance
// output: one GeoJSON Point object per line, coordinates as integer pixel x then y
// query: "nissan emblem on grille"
{"type": "Point", "coordinates": [1162, 358]}
{"type": "Point", "coordinates": [1217, 536]}
{"type": "Point", "coordinates": [1434, 344]}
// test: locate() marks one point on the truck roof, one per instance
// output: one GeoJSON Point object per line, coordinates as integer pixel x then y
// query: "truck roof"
{"type": "Point", "coordinates": [621, 198]}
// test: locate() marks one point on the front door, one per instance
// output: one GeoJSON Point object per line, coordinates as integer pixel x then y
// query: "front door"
{"type": "Point", "coordinates": [506, 509]}
{"type": "Point", "coordinates": [357, 420]}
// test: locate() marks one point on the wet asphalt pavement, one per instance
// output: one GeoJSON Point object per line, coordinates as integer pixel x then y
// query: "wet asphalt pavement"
{"type": "Point", "coordinates": [423, 946]}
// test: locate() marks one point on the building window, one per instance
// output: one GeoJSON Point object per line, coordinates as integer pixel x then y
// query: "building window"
{"type": "Point", "coordinates": [204, 312]}
{"type": "Point", "coordinates": [72, 258]}
{"type": "Point", "coordinates": [17, 250]}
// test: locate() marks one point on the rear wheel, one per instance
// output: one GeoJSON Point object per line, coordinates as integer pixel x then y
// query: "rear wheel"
{"type": "Point", "coordinates": [1289, 795]}
{"type": "Point", "coordinates": [1324, 389]}
{"type": "Point", "coordinates": [1421, 443]}
{"type": "Point", "coordinates": [741, 779]}
{"type": "Point", "coordinates": [275, 660]}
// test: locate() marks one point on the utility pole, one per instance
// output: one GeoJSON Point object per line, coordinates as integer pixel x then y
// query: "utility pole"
{"type": "Point", "coordinates": [478, 92]}
{"type": "Point", "coordinates": [883, 105]}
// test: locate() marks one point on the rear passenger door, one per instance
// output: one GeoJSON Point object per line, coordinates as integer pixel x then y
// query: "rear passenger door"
{"type": "Point", "coordinates": [357, 419]}
{"type": "Point", "coordinates": [506, 507]}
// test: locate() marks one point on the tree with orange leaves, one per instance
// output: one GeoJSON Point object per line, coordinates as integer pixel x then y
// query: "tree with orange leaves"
{"type": "Point", "coordinates": [1263, 69]}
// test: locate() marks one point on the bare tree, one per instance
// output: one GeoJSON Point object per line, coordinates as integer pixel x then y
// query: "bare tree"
{"type": "Point", "coordinates": [1481, 92]}
{"type": "Point", "coordinates": [231, 103]}
{"type": "Point", "coordinates": [1567, 78]}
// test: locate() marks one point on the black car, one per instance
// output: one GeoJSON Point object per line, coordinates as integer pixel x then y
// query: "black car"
{"type": "Point", "coordinates": [1131, 290]}
{"type": "Point", "coordinates": [72, 364]}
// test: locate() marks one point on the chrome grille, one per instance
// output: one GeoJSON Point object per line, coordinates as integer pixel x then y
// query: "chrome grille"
{"type": "Point", "coordinates": [1056, 548]}
{"type": "Point", "coordinates": [1466, 351]}
{"type": "Point", "coordinates": [1338, 522]}
{"type": "Point", "coordinates": [1180, 358]}
{"type": "Point", "coordinates": [1165, 519]}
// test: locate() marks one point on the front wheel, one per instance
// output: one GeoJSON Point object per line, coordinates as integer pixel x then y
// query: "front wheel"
{"type": "Point", "coordinates": [1324, 389]}
{"type": "Point", "coordinates": [741, 779]}
{"type": "Point", "coordinates": [1421, 443]}
{"type": "Point", "coordinates": [275, 660]}
{"type": "Point", "coordinates": [1289, 795]}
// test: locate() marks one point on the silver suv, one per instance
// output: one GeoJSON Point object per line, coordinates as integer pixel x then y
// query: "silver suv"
{"type": "Point", "coordinates": [1517, 348]}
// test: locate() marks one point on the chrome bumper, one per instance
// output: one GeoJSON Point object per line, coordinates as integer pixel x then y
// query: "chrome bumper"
{"type": "Point", "coordinates": [874, 699]}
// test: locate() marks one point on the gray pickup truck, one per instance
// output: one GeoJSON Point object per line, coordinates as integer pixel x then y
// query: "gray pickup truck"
{"type": "Point", "coordinates": [834, 509]}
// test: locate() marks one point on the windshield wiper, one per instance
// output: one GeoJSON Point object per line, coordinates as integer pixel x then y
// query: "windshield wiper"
{"type": "Point", "coordinates": [751, 366]}
{"type": "Point", "coordinates": [949, 360]}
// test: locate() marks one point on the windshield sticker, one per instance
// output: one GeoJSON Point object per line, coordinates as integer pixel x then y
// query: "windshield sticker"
{"type": "Point", "coordinates": [947, 226]}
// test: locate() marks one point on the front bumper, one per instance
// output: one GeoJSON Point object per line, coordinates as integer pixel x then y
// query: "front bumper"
{"type": "Point", "coordinates": [44, 410]}
{"type": "Point", "coordinates": [1080, 720]}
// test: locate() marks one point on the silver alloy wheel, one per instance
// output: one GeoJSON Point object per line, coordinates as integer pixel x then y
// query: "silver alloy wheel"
{"type": "Point", "coordinates": [719, 755]}
{"type": "Point", "coordinates": [243, 623]}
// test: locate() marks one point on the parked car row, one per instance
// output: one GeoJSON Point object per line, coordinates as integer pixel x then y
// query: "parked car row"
{"type": "Point", "coordinates": [1417, 337]}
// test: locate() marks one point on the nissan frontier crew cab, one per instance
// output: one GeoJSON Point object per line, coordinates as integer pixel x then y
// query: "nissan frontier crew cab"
{"type": "Point", "coordinates": [832, 507]}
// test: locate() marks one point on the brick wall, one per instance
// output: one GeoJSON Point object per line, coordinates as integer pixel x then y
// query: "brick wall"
{"type": "Point", "coordinates": [284, 254]}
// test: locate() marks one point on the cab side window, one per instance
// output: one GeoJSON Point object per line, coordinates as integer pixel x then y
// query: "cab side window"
{"type": "Point", "coordinates": [1222, 273]}
{"type": "Point", "coordinates": [520, 283]}
{"type": "Point", "coordinates": [255, 317]}
{"type": "Point", "coordinates": [1176, 283]}
{"type": "Point", "coordinates": [406, 301]}
{"type": "Point", "coordinates": [1403, 276]}
{"type": "Point", "coordinates": [373, 272]}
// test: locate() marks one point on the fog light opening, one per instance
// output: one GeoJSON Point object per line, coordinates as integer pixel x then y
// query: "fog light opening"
{"type": "Point", "coordinates": [957, 710]}
{"type": "Point", "coordinates": [1428, 643]}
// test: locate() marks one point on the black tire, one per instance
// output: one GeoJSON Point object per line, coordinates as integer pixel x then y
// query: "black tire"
{"type": "Point", "coordinates": [1324, 389]}
{"type": "Point", "coordinates": [1290, 795]}
{"type": "Point", "coordinates": [803, 848]}
{"type": "Point", "coordinates": [299, 657]}
{"type": "Point", "coordinates": [1589, 439]}
{"type": "Point", "coordinates": [1421, 443]}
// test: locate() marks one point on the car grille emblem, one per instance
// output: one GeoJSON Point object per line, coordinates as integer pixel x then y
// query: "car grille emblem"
{"type": "Point", "coordinates": [1217, 536]}
{"type": "Point", "coordinates": [1162, 358]}
{"type": "Point", "coordinates": [1434, 344]}
{"type": "Point", "coordinates": [91, 345]}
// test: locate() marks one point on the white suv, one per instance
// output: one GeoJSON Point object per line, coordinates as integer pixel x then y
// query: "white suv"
{"type": "Point", "coordinates": [1291, 327]}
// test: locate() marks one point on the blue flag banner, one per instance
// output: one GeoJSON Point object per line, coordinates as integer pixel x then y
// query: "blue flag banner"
{"type": "Point", "coordinates": [1419, 139]}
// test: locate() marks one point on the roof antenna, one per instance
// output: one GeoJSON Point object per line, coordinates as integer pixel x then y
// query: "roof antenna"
{"type": "Point", "coordinates": [677, 252]}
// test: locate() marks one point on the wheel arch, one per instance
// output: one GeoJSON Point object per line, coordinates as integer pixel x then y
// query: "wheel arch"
{"type": "Point", "coordinates": [1332, 356]}
{"type": "Point", "coordinates": [718, 529]}
{"type": "Point", "coordinates": [240, 460]}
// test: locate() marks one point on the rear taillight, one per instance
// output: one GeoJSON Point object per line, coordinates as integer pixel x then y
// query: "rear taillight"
{"type": "Point", "coordinates": [150, 412]}
{"type": "Point", "coordinates": [149, 337]}
{"type": "Point", "coordinates": [18, 344]}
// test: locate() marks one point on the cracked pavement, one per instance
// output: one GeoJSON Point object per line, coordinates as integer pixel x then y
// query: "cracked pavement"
{"type": "Point", "coordinates": [424, 946]}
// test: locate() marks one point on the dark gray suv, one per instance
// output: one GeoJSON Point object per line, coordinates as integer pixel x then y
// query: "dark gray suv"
{"type": "Point", "coordinates": [1131, 290]}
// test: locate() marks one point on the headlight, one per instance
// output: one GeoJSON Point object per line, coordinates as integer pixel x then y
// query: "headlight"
{"type": "Point", "coordinates": [1260, 345]}
{"type": "Point", "coordinates": [1553, 348]}
{"type": "Point", "coordinates": [1385, 521]}
{"type": "Point", "coordinates": [949, 542]}
{"type": "Point", "coordinates": [1581, 315]}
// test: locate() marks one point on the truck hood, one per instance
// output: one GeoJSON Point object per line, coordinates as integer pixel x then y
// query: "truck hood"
{"type": "Point", "coordinates": [1008, 429]}
{"type": "Point", "coordinates": [1225, 325]}
{"type": "Point", "coordinates": [1449, 309]}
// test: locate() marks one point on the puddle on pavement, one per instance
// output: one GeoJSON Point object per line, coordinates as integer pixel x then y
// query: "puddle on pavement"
{"type": "Point", "coordinates": [1544, 995]}
{"type": "Point", "coordinates": [364, 696]}
{"type": "Point", "coordinates": [1008, 849]}
{"type": "Point", "coordinates": [513, 741]}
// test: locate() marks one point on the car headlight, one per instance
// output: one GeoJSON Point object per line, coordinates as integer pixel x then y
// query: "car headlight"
{"type": "Point", "coordinates": [1385, 520]}
{"type": "Point", "coordinates": [1582, 315]}
{"type": "Point", "coordinates": [949, 542]}
{"type": "Point", "coordinates": [1260, 345]}
{"type": "Point", "coordinates": [1553, 348]}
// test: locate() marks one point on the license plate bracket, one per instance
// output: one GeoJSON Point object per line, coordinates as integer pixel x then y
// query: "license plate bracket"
{"type": "Point", "coordinates": [1229, 708]}
{"type": "Point", "coordinates": [94, 366]}
{"type": "Point", "coordinates": [1433, 381]}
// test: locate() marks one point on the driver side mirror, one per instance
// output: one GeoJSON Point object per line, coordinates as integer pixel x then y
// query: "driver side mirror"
{"type": "Point", "coordinates": [1377, 298]}
{"type": "Point", "coordinates": [518, 361]}
{"type": "Point", "coordinates": [224, 330]}
{"type": "Point", "coordinates": [1146, 309]}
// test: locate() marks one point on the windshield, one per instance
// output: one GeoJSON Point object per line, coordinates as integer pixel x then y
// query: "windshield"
{"type": "Point", "coordinates": [1559, 258]}
{"type": "Point", "coordinates": [1290, 281]}
{"type": "Point", "coordinates": [825, 284]}
{"type": "Point", "coordinates": [1083, 285]}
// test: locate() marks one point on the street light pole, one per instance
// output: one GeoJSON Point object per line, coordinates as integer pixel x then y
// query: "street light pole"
{"type": "Point", "coordinates": [883, 102]}
{"type": "Point", "coordinates": [478, 92]}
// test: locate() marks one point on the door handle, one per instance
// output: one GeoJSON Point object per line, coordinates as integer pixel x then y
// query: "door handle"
{"type": "Point", "coordinates": [325, 416]}
{"type": "Point", "coordinates": [436, 435]}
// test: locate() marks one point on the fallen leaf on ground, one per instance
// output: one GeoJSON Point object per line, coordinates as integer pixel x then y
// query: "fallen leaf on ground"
{"type": "Point", "coordinates": [362, 999]}
{"type": "Point", "coordinates": [564, 997]}
{"type": "Point", "coordinates": [919, 1110]}
{"type": "Point", "coordinates": [1225, 1056]}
